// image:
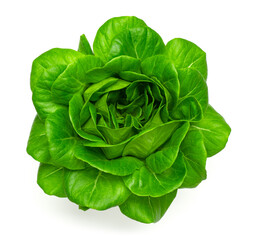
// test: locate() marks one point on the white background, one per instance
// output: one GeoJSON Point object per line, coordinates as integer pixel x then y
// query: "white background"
{"type": "Point", "coordinates": [221, 207]}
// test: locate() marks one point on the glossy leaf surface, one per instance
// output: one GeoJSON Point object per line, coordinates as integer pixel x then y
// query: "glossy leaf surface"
{"type": "Point", "coordinates": [45, 70]}
{"type": "Point", "coordinates": [63, 140]}
{"type": "Point", "coordinates": [215, 131]}
{"type": "Point", "coordinates": [37, 145]}
{"type": "Point", "coordinates": [109, 30]}
{"type": "Point", "coordinates": [147, 209]}
{"type": "Point", "coordinates": [165, 157]}
{"type": "Point", "coordinates": [194, 153]}
{"type": "Point", "coordinates": [51, 179]}
{"type": "Point", "coordinates": [121, 166]}
{"type": "Point", "coordinates": [95, 189]}
{"type": "Point", "coordinates": [148, 141]}
{"type": "Point", "coordinates": [185, 54]}
{"type": "Point", "coordinates": [138, 43]}
{"type": "Point", "coordinates": [193, 97]}
{"type": "Point", "coordinates": [145, 182]}
{"type": "Point", "coordinates": [72, 80]}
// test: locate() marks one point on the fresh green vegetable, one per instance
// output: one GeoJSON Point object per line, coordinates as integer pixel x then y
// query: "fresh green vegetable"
{"type": "Point", "coordinates": [126, 124]}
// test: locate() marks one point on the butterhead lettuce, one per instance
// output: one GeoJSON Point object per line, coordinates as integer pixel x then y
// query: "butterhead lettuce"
{"type": "Point", "coordinates": [126, 124]}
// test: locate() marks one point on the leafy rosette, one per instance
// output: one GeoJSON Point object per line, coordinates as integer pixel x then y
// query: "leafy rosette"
{"type": "Point", "coordinates": [126, 124]}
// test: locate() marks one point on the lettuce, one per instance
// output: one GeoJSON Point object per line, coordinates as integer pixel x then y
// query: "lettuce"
{"type": "Point", "coordinates": [126, 124]}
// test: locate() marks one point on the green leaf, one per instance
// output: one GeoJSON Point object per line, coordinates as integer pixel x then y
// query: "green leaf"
{"type": "Point", "coordinates": [83, 208]}
{"type": "Point", "coordinates": [45, 70]}
{"type": "Point", "coordinates": [75, 109]}
{"type": "Point", "coordinates": [165, 157]}
{"type": "Point", "coordinates": [109, 30]}
{"type": "Point", "coordinates": [121, 166]}
{"type": "Point", "coordinates": [102, 109]}
{"type": "Point", "coordinates": [123, 63]}
{"type": "Point", "coordinates": [84, 46]}
{"type": "Point", "coordinates": [154, 121]}
{"type": "Point", "coordinates": [138, 42]}
{"type": "Point", "coordinates": [51, 179]}
{"type": "Point", "coordinates": [133, 76]}
{"type": "Point", "coordinates": [110, 151]}
{"type": "Point", "coordinates": [147, 209]}
{"type": "Point", "coordinates": [215, 131]}
{"type": "Point", "coordinates": [137, 103]}
{"type": "Point", "coordinates": [193, 98]}
{"type": "Point", "coordinates": [149, 140]}
{"type": "Point", "coordinates": [161, 68]}
{"type": "Point", "coordinates": [113, 68]}
{"type": "Point", "coordinates": [187, 109]}
{"type": "Point", "coordinates": [96, 90]}
{"type": "Point", "coordinates": [98, 87]}
{"type": "Point", "coordinates": [95, 189]}
{"type": "Point", "coordinates": [88, 119]}
{"type": "Point", "coordinates": [192, 84]}
{"type": "Point", "coordinates": [194, 152]}
{"type": "Point", "coordinates": [37, 145]}
{"type": "Point", "coordinates": [63, 140]}
{"type": "Point", "coordinates": [72, 80]}
{"type": "Point", "coordinates": [145, 182]}
{"type": "Point", "coordinates": [118, 135]}
{"type": "Point", "coordinates": [185, 54]}
{"type": "Point", "coordinates": [145, 86]}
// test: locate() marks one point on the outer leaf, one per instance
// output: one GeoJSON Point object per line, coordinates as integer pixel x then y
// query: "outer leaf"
{"type": "Point", "coordinates": [37, 145]}
{"type": "Point", "coordinates": [187, 109]}
{"type": "Point", "coordinates": [138, 43]}
{"type": "Point", "coordinates": [194, 153]}
{"type": "Point", "coordinates": [193, 96]}
{"type": "Point", "coordinates": [95, 189]}
{"type": "Point", "coordinates": [149, 140]}
{"type": "Point", "coordinates": [147, 209]}
{"type": "Point", "coordinates": [109, 30]}
{"type": "Point", "coordinates": [192, 84]}
{"type": "Point", "coordinates": [55, 57]}
{"type": "Point", "coordinates": [83, 208]}
{"type": "Point", "coordinates": [51, 180]}
{"type": "Point", "coordinates": [215, 131]}
{"type": "Point", "coordinates": [165, 157]}
{"type": "Point", "coordinates": [84, 46]}
{"type": "Point", "coordinates": [63, 140]}
{"type": "Point", "coordinates": [121, 166]}
{"type": "Point", "coordinates": [185, 54]}
{"type": "Point", "coordinates": [45, 70]}
{"type": "Point", "coordinates": [145, 182]}
{"type": "Point", "coordinates": [73, 79]}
